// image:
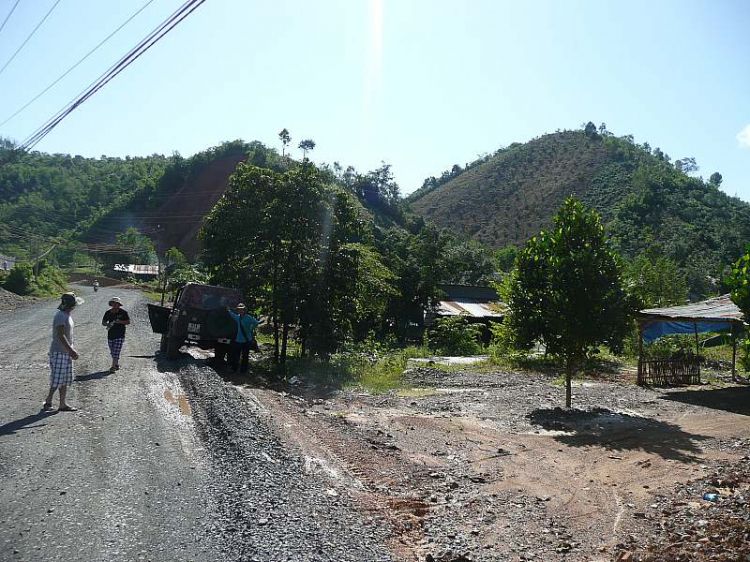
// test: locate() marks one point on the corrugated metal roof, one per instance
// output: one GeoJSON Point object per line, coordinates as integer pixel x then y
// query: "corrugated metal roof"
{"type": "Point", "coordinates": [469, 307]}
{"type": "Point", "coordinates": [137, 269]}
{"type": "Point", "coordinates": [718, 309]}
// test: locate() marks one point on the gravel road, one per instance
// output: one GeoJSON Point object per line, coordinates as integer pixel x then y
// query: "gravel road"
{"type": "Point", "coordinates": [162, 462]}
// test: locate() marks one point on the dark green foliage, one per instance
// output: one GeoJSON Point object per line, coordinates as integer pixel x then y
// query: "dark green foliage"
{"type": "Point", "coordinates": [292, 245]}
{"type": "Point", "coordinates": [656, 281]}
{"type": "Point", "coordinates": [739, 282]}
{"type": "Point", "coordinates": [643, 200]}
{"type": "Point", "coordinates": [45, 197]}
{"type": "Point", "coordinates": [505, 258]}
{"type": "Point", "coordinates": [454, 336]}
{"type": "Point", "coordinates": [49, 280]}
{"type": "Point", "coordinates": [20, 279]}
{"type": "Point", "coordinates": [567, 290]}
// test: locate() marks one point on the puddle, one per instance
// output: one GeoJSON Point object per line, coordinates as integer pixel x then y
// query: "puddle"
{"type": "Point", "coordinates": [180, 401]}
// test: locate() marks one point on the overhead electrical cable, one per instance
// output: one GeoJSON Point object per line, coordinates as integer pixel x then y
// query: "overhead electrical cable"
{"type": "Point", "coordinates": [29, 37]}
{"type": "Point", "coordinates": [8, 16]}
{"type": "Point", "coordinates": [91, 52]}
{"type": "Point", "coordinates": [151, 39]}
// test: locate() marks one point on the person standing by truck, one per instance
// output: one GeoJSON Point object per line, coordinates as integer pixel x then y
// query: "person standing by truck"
{"type": "Point", "coordinates": [61, 353]}
{"type": "Point", "coordinates": [115, 319]}
{"type": "Point", "coordinates": [244, 339]}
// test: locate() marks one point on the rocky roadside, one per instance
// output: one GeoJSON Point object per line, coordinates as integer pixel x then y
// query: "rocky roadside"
{"type": "Point", "coordinates": [11, 301]}
{"type": "Point", "coordinates": [704, 519]}
{"type": "Point", "coordinates": [267, 505]}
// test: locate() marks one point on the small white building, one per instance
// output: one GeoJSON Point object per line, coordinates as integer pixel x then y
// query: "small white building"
{"type": "Point", "coordinates": [7, 262]}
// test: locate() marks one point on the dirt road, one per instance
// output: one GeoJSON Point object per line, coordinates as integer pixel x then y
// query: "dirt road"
{"type": "Point", "coordinates": [162, 462]}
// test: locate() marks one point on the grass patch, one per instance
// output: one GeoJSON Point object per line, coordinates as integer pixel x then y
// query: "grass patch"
{"type": "Point", "coordinates": [155, 296]}
{"type": "Point", "coordinates": [374, 374]}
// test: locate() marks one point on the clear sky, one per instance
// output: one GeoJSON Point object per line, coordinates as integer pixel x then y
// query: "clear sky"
{"type": "Point", "coordinates": [419, 84]}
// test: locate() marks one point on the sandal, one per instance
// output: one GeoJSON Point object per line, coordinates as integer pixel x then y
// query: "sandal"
{"type": "Point", "coordinates": [67, 409]}
{"type": "Point", "coordinates": [47, 406]}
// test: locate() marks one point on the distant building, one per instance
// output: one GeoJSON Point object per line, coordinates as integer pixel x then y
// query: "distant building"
{"type": "Point", "coordinates": [7, 262]}
{"type": "Point", "coordinates": [137, 271]}
{"type": "Point", "coordinates": [479, 305]}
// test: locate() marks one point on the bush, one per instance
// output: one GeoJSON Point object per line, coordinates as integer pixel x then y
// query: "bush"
{"type": "Point", "coordinates": [454, 336]}
{"type": "Point", "coordinates": [20, 279]}
{"type": "Point", "coordinates": [50, 282]}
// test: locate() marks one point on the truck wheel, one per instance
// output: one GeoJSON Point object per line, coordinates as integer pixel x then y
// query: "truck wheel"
{"type": "Point", "coordinates": [173, 347]}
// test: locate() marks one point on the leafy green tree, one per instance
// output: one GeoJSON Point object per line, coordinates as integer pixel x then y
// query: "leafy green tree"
{"type": "Point", "coordinates": [567, 290]}
{"type": "Point", "coordinates": [286, 138]}
{"type": "Point", "coordinates": [715, 180]}
{"type": "Point", "coordinates": [590, 130]}
{"type": "Point", "coordinates": [454, 336]}
{"type": "Point", "coordinates": [738, 281]}
{"type": "Point", "coordinates": [656, 281]}
{"type": "Point", "coordinates": [687, 165]}
{"type": "Point", "coordinates": [20, 279]}
{"type": "Point", "coordinates": [291, 244]}
{"type": "Point", "coordinates": [305, 146]}
{"type": "Point", "coordinates": [505, 258]}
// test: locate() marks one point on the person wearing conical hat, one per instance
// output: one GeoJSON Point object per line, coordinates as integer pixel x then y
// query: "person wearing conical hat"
{"type": "Point", "coordinates": [62, 353]}
{"type": "Point", "coordinates": [115, 319]}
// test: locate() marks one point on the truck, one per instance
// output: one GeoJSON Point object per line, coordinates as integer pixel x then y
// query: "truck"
{"type": "Point", "coordinates": [198, 317]}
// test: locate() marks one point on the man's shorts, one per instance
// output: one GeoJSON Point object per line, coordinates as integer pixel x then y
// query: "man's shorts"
{"type": "Point", "coordinates": [61, 369]}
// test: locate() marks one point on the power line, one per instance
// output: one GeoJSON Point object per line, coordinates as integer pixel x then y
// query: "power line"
{"type": "Point", "coordinates": [30, 35]}
{"type": "Point", "coordinates": [151, 39]}
{"type": "Point", "coordinates": [8, 16]}
{"type": "Point", "coordinates": [40, 94]}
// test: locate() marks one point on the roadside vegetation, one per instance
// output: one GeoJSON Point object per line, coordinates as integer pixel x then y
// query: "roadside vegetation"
{"type": "Point", "coordinates": [337, 261]}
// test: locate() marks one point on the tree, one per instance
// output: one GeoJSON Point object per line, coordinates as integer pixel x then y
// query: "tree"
{"type": "Point", "coordinates": [300, 263]}
{"type": "Point", "coordinates": [687, 165]}
{"type": "Point", "coordinates": [656, 281]}
{"type": "Point", "coordinates": [715, 180]}
{"type": "Point", "coordinates": [306, 145]}
{"type": "Point", "coordinates": [505, 258]}
{"type": "Point", "coordinates": [286, 138]}
{"type": "Point", "coordinates": [567, 290]}
{"type": "Point", "coordinates": [590, 130]}
{"type": "Point", "coordinates": [20, 279]}
{"type": "Point", "coordinates": [738, 281]}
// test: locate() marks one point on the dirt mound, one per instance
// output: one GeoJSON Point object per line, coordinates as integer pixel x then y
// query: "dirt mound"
{"type": "Point", "coordinates": [12, 301]}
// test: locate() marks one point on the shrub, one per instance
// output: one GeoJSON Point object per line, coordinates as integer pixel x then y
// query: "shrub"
{"type": "Point", "coordinates": [454, 336]}
{"type": "Point", "coordinates": [50, 282]}
{"type": "Point", "coordinates": [20, 279]}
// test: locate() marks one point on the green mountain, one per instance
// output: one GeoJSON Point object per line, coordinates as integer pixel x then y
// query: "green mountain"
{"type": "Point", "coordinates": [647, 203]}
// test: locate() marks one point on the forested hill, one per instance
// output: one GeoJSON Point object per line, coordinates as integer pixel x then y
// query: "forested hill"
{"type": "Point", "coordinates": [46, 198]}
{"type": "Point", "coordinates": [648, 203]}
{"type": "Point", "coordinates": [80, 204]}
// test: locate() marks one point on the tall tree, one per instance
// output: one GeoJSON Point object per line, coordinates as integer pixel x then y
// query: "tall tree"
{"type": "Point", "coordinates": [715, 180]}
{"type": "Point", "coordinates": [290, 243]}
{"type": "Point", "coordinates": [286, 138]}
{"type": "Point", "coordinates": [305, 146]}
{"type": "Point", "coordinates": [567, 290]}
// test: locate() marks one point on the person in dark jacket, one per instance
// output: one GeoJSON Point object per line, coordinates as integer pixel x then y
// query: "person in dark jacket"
{"type": "Point", "coordinates": [115, 319]}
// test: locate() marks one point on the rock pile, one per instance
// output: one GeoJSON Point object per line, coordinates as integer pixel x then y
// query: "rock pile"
{"type": "Point", "coordinates": [705, 519]}
{"type": "Point", "coordinates": [12, 301]}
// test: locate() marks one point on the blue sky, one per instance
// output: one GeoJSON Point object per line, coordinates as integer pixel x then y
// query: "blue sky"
{"type": "Point", "coordinates": [419, 84]}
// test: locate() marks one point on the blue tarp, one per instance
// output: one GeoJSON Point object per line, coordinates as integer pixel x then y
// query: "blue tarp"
{"type": "Point", "coordinates": [655, 330]}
